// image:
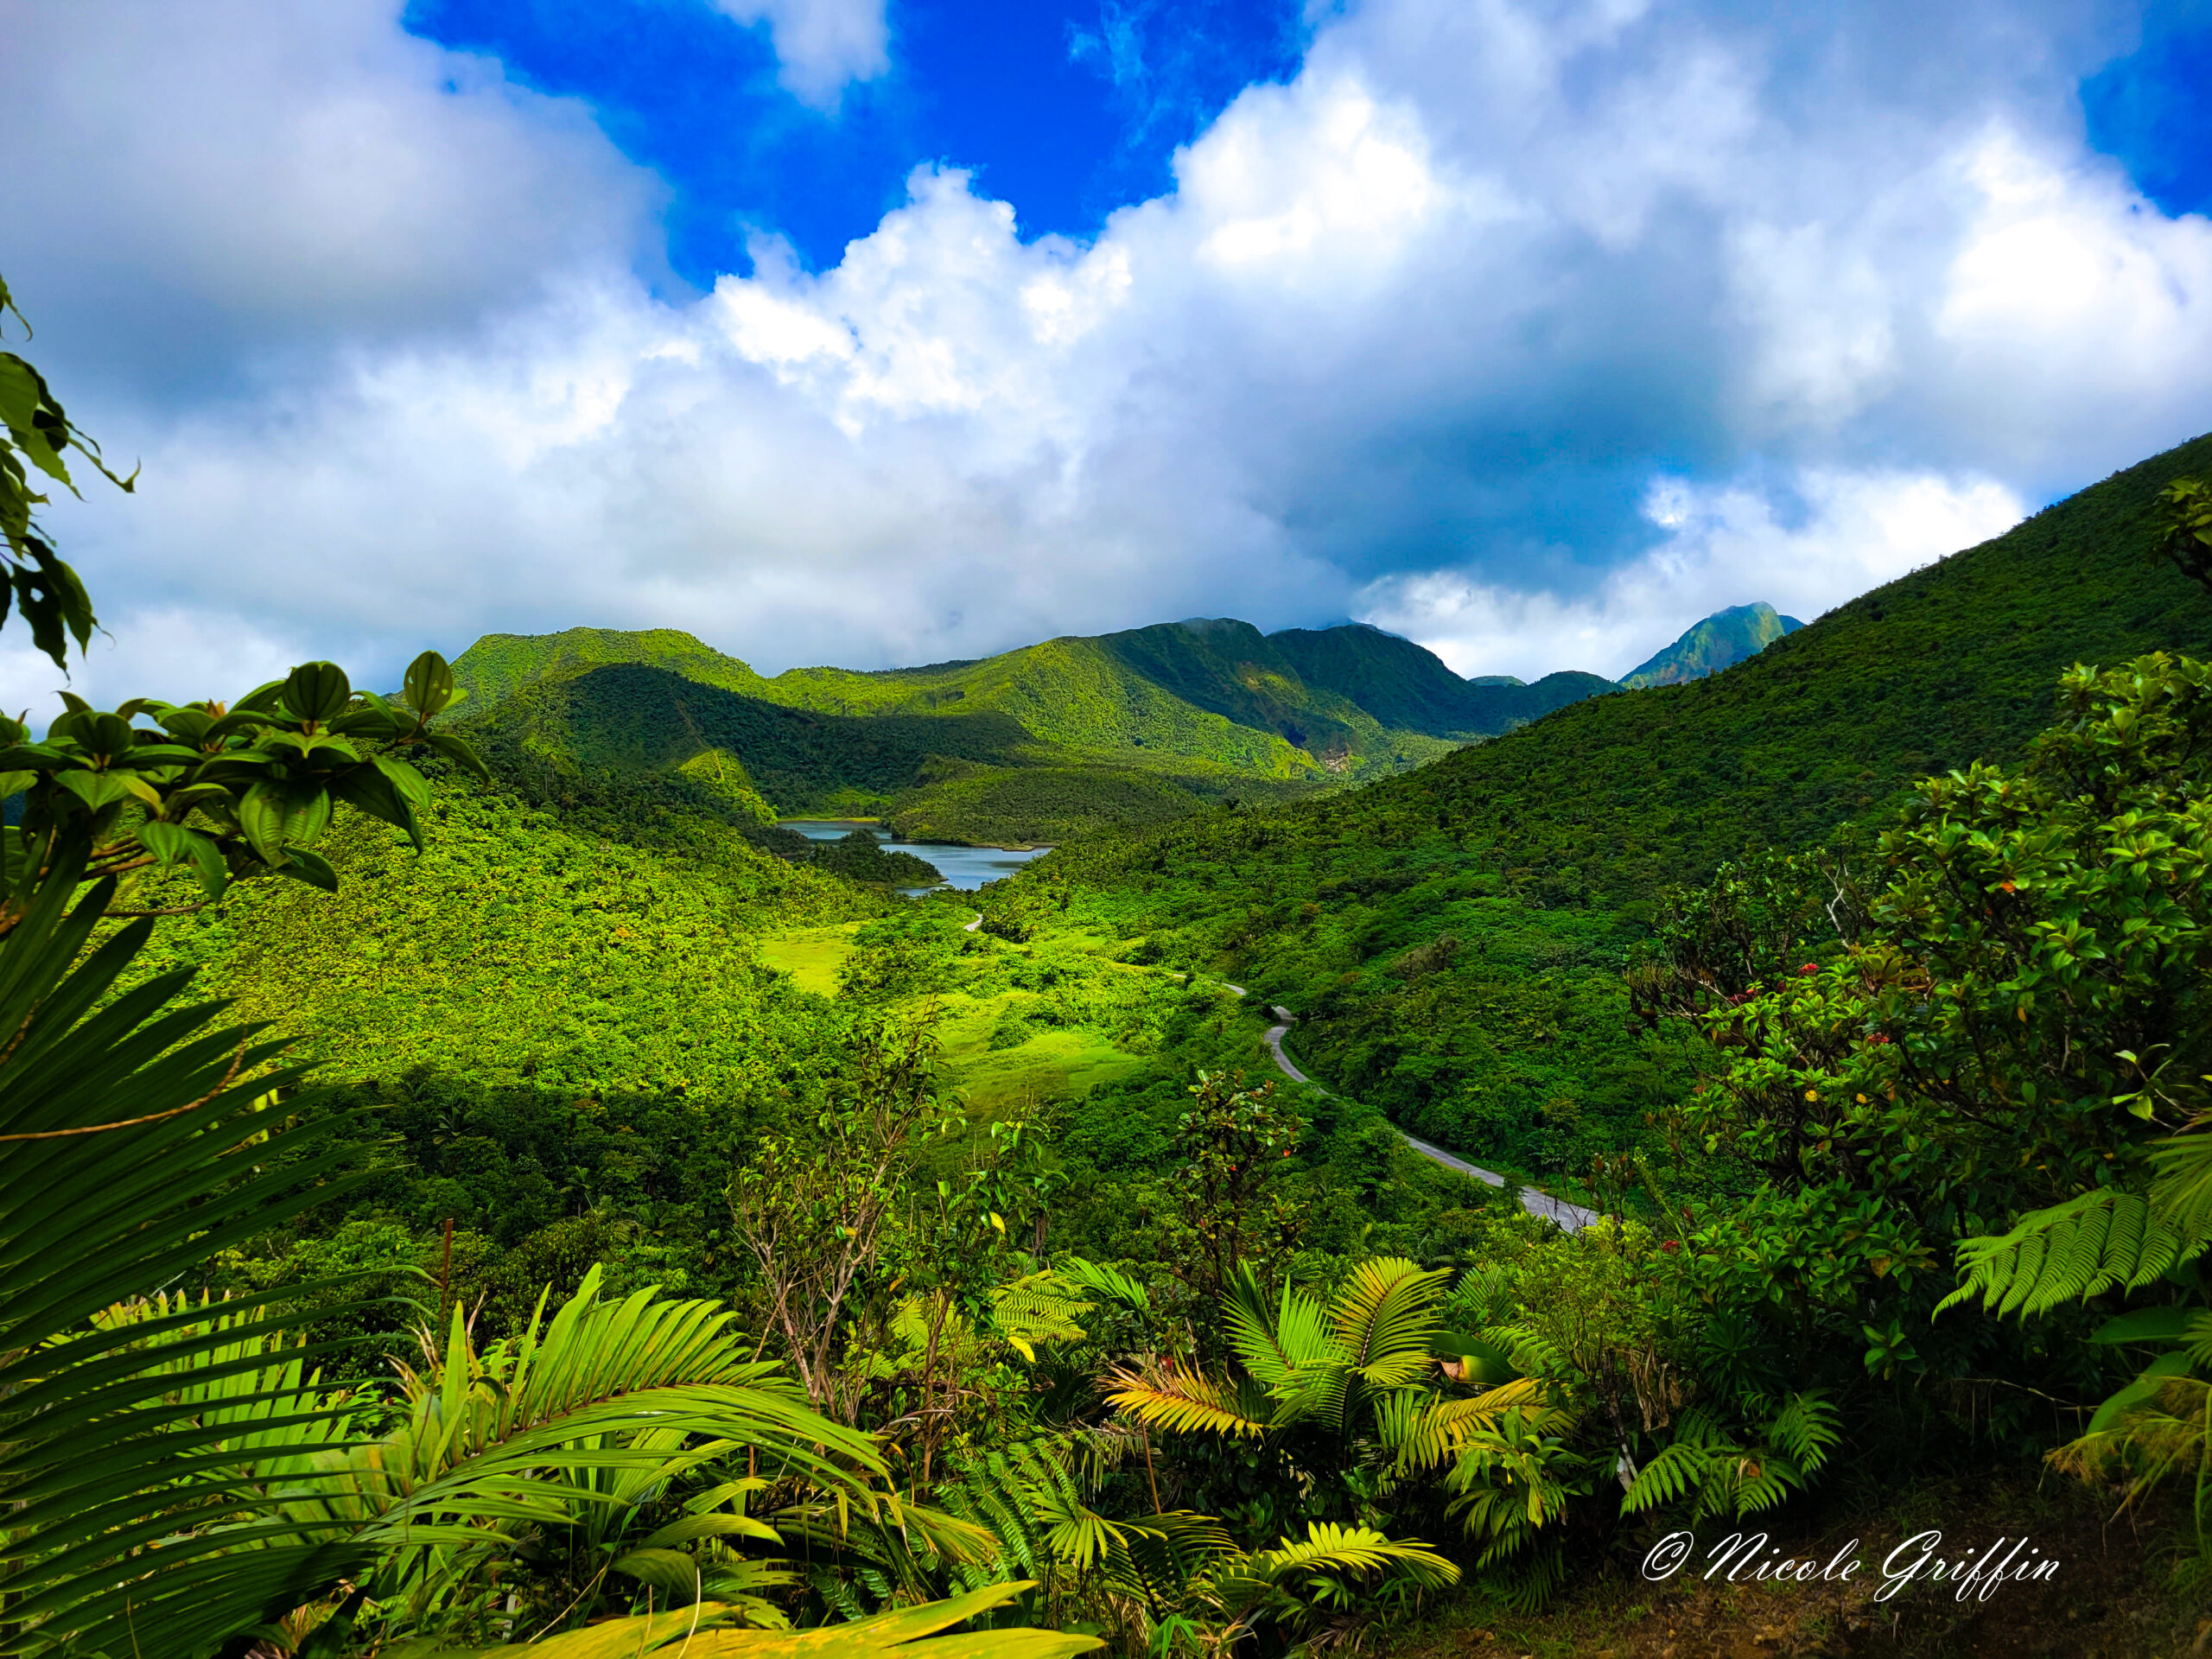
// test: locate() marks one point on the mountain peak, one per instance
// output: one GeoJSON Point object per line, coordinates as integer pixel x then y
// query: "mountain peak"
{"type": "Point", "coordinates": [1719, 641]}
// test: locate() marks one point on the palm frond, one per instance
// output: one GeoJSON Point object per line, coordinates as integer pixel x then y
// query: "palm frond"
{"type": "Point", "coordinates": [1279, 1341]}
{"type": "Point", "coordinates": [136, 1448]}
{"type": "Point", "coordinates": [706, 1630]}
{"type": "Point", "coordinates": [1184, 1402]}
{"type": "Point", "coordinates": [2181, 1189]}
{"type": "Point", "coordinates": [1384, 1319]}
{"type": "Point", "coordinates": [1422, 1431]}
{"type": "Point", "coordinates": [1327, 1547]}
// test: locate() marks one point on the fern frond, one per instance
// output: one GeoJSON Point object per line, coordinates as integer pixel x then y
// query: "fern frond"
{"type": "Point", "coordinates": [2070, 1252]}
{"type": "Point", "coordinates": [1110, 1282]}
{"type": "Point", "coordinates": [1040, 1308]}
{"type": "Point", "coordinates": [1807, 1429]}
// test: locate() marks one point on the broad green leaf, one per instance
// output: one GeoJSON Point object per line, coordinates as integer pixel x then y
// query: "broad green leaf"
{"type": "Point", "coordinates": [99, 789]}
{"type": "Point", "coordinates": [429, 685]}
{"type": "Point", "coordinates": [317, 692]}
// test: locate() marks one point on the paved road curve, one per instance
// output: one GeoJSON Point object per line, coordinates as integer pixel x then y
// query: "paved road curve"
{"type": "Point", "coordinates": [1571, 1217]}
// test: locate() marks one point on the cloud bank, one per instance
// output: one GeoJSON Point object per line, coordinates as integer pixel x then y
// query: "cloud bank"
{"type": "Point", "coordinates": [1532, 331]}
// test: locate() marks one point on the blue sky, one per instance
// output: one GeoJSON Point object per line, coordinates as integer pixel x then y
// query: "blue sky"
{"type": "Point", "coordinates": [1066, 111]}
{"type": "Point", "coordinates": [883, 331]}
{"type": "Point", "coordinates": [2152, 109]}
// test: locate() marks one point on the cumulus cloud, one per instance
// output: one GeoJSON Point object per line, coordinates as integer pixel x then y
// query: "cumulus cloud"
{"type": "Point", "coordinates": [1723, 546]}
{"type": "Point", "coordinates": [1534, 332]}
{"type": "Point", "coordinates": [822, 46]}
{"type": "Point", "coordinates": [208, 196]}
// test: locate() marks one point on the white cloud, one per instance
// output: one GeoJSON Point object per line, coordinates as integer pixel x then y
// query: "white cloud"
{"type": "Point", "coordinates": [237, 187]}
{"type": "Point", "coordinates": [1412, 337]}
{"type": "Point", "coordinates": [180, 653]}
{"type": "Point", "coordinates": [1722, 547]}
{"type": "Point", "coordinates": [820, 45]}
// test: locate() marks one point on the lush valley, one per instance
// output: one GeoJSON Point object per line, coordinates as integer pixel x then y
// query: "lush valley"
{"type": "Point", "coordinates": [620, 1225]}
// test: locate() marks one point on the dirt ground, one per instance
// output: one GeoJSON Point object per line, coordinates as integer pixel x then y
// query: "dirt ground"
{"type": "Point", "coordinates": [2114, 1595]}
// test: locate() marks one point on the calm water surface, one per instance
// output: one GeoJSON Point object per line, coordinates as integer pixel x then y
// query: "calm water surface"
{"type": "Point", "coordinates": [965, 867]}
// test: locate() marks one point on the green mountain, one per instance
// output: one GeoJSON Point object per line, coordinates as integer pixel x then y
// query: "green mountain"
{"type": "Point", "coordinates": [499, 664]}
{"type": "Point", "coordinates": [614, 725]}
{"type": "Point", "coordinates": [1131, 728]}
{"type": "Point", "coordinates": [1407, 688]}
{"type": "Point", "coordinates": [1721, 640]}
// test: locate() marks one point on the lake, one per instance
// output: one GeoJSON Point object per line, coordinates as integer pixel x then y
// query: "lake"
{"type": "Point", "coordinates": [964, 867]}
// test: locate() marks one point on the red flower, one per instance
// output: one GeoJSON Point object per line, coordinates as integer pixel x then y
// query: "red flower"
{"type": "Point", "coordinates": [1810, 967]}
{"type": "Point", "coordinates": [1669, 1247]}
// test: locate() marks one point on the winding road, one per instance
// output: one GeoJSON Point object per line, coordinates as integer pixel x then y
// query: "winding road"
{"type": "Point", "coordinates": [1570, 1217]}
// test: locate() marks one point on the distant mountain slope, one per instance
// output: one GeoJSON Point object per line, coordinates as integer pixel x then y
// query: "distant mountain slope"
{"type": "Point", "coordinates": [499, 664]}
{"type": "Point", "coordinates": [575, 734]}
{"type": "Point", "coordinates": [1721, 640]}
{"type": "Point", "coordinates": [1956, 662]}
{"type": "Point", "coordinates": [1209, 707]}
{"type": "Point", "coordinates": [1162, 696]}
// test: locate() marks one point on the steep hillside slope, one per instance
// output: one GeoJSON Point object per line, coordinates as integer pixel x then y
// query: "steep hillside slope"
{"type": "Point", "coordinates": [1454, 937]}
{"type": "Point", "coordinates": [1082, 694]}
{"type": "Point", "coordinates": [521, 946]}
{"type": "Point", "coordinates": [1721, 640]}
{"type": "Point", "coordinates": [1208, 708]}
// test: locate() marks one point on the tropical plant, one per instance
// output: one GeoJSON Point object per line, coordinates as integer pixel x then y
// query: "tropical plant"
{"type": "Point", "coordinates": [812, 1207]}
{"type": "Point", "coordinates": [173, 1475]}
{"type": "Point", "coordinates": [35, 430]}
{"type": "Point", "coordinates": [221, 792]}
{"type": "Point", "coordinates": [127, 1120]}
{"type": "Point", "coordinates": [2185, 531]}
{"type": "Point", "coordinates": [1718, 1473]}
{"type": "Point", "coordinates": [1230, 1146]}
{"type": "Point", "coordinates": [1335, 1364]}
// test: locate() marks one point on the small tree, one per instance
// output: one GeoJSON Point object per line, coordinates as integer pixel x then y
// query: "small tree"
{"type": "Point", "coordinates": [1235, 1143]}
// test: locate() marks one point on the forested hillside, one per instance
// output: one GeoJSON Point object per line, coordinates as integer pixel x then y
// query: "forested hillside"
{"type": "Point", "coordinates": [614, 1227]}
{"type": "Point", "coordinates": [1407, 688]}
{"type": "Point", "coordinates": [1456, 936]}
